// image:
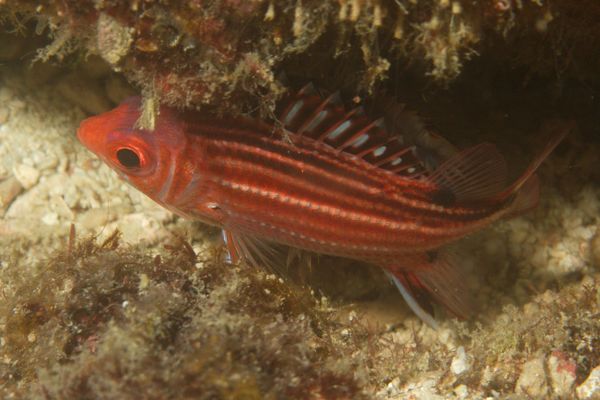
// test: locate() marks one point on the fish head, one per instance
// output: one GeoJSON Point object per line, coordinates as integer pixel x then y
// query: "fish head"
{"type": "Point", "coordinates": [141, 157]}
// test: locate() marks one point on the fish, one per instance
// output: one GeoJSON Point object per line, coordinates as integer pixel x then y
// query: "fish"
{"type": "Point", "coordinates": [326, 178]}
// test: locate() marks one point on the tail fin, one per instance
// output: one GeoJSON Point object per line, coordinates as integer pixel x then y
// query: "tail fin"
{"type": "Point", "coordinates": [560, 129]}
{"type": "Point", "coordinates": [526, 198]}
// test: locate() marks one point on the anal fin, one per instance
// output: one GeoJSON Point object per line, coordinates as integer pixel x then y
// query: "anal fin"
{"type": "Point", "coordinates": [414, 298]}
{"type": "Point", "coordinates": [434, 275]}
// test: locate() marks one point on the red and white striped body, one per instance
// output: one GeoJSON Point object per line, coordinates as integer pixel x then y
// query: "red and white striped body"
{"type": "Point", "coordinates": [320, 178]}
{"type": "Point", "coordinates": [304, 194]}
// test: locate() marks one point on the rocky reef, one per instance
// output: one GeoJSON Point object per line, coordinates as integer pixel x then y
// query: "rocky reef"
{"type": "Point", "coordinates": [106, 295]}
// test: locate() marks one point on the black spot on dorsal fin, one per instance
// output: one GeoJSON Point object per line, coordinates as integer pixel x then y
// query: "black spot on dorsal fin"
{"type": "Point", "coordinates": [475, 174]}
{"type": "Point", "coordinates": [352, 131]}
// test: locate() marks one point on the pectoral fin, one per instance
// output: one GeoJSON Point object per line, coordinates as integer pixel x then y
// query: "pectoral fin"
{"type": "Point", "coordinates": [252, 250]}
{"type": "Point", "coordinates": [261, 253]}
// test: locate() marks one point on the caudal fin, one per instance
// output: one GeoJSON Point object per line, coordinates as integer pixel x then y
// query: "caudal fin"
{"type": "Point", "coordinates": [560, 129]}
{"type": "Point", "coordinates": [526, 198]}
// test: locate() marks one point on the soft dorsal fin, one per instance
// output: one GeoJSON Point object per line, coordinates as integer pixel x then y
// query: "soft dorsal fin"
{"type": "Point", "coordinates": [479, 174]}
{"type": "Point", "coordinates": [352, 131]}
{"type": "Point", "coordinates": [475, 174]}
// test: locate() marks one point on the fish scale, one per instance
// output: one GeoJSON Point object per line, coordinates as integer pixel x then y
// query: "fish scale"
{"type": "Point", "coordinates": [325, 179]}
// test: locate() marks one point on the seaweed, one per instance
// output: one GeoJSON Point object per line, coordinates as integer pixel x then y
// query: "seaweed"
{"type": "Point", "coordinates": [100, 319]}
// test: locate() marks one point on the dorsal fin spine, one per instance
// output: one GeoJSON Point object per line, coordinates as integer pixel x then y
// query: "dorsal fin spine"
{"type": "Point", "coordinates": [392, 157]}
{"type": "Point", "coordinates": [307, 90]}
{"type": "Point", "coordinates": [402, 168]}
{"type": "Point", "coordinates": [364, 130]}
{"type": "Point", "coordinates": [347, 118]}
{"type": "Point", "coordinates": [293, 108]}
{"type": "Point", "coordinates": [325, 119]}
{"type": "Point", "coordinates": [329, 101]}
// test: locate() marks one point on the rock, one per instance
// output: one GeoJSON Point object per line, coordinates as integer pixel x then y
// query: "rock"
{"type": "Point", "coordinates": [595, 249]}
{"type": "Point", "coordinates": [461, 362]}
{"type": "Point", "coordinates": [532, 381]}
{"type": "Point", "coordinates": [98, 217]}
{"type": "Point", "coordinates": [588, 203]}
{"type": "Point", "coordinates": [9, 189]}
{"type": "Point", "coordinates": [425, 389]}
{"type": "Point", "coordinates": [26, 175]}
{"type": "Point", "coordinates": [114, 39]}
{"type": "Point", "coordinates": [50, 218]}
{"type": "Point", "coordinates": [562, 373]}
{"type": "Point", "coordinates": [590, 388]}
{"type": "Point", "coordinates": [521, 229]}
{"type": "Point", "coordinates": [461, 392]}
{"type": "Point", "coordinates": [143, 226]}
{"type": "Point", "coordinates": [4, 115]}
{"type": "Point", "coordinates": [391, 389]}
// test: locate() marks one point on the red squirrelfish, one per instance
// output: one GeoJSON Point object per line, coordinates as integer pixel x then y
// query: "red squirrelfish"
{"type": "Point", "coordinates": [325, 179]}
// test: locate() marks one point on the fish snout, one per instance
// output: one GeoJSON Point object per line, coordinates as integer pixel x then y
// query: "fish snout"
{"type": "Point", "coordinates": [81, 132]}
{"type": "Point", "coordinates": [90, 134]}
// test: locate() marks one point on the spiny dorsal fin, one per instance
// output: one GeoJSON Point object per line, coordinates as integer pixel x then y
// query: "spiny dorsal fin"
{"type": "Point", "coordinates": [325, 119]}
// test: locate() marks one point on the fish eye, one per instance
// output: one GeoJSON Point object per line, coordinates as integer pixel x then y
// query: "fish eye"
{"type": "Point", "coordinates": [128, 158]}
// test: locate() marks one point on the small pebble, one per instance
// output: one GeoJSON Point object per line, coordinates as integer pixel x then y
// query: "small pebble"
{"type": "Point", "coordinates": [50, 218]}
{"type": "Point", "coordinates": [461, 391]}
{"type": "Point", "coordinates": [460, 363]}
{"type": "Point", "coordinates": [532, 381]}
{"type": "Point", "coordinates": [595, 249]}
{"type": "Point", "coordinates": [144, 282]}
{"type": "Point", "coordinates": [590, 388]}
{"type": "Point", "coordinates": [562, 373]}
{"type": "Point", "coordinates": [9, 189]}
{"type": "Point", "coordinates": [26, 175]}
{"type": "Point", "coordinates": [97, 217]}
{"type": "Point", "coordinates": [4, 115]}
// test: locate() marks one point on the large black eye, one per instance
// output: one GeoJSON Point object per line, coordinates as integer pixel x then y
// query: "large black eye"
{"type": "Point", "coordinates": [128, 158]}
